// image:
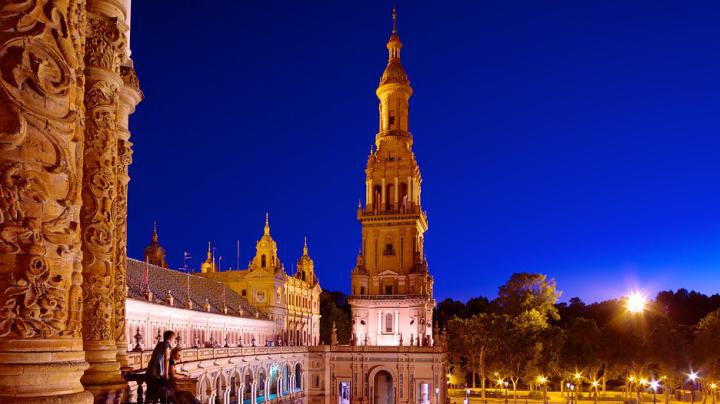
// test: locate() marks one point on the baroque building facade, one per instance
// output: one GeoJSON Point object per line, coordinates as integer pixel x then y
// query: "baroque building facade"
{"type": "Point", "coordinates": [292, 301]}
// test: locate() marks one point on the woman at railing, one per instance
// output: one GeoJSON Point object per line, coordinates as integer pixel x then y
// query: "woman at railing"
{"type": "Point", "coordinates": [181, 397]}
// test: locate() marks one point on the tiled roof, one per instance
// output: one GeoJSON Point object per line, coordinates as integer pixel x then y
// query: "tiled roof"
{"type": "Point", "coordinates": [162, 280]}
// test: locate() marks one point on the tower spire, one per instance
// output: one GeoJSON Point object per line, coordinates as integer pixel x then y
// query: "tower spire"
{"type": "Point", "coordinates": [155, 233]}
{"type": "Point", "coordinates": [305, 247]}
{"type": "Point", "coordinates": [394, 17]}
{"type": "Point", "coordinates": [267, 224]}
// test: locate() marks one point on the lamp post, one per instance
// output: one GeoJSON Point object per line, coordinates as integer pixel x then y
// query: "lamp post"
{"type": "Point", "coordinates": [654, 386]}
{"type": "Point", "coordinates": [543, 382]}
{"type": "Point", "coordinates": [578, 381]}
{"type": "Point", "coordinates": [595, 385]}
{"type": "Point", "coordinates": [642, 383]}
{"type": "Point", "coordinates": [693, 376]}
{"type": "Point", "coordinates": [713, 387]}
{"type": "Point", "coordinates": [569, 393]}
{"type": "Point", "coordinates": [628, 390]}
{"type": "Point", "coordinates": [467, 395]}
{"type": "Point", "coordinates": [506, 392]}
{"type": "Point", "coordinates": [437, 395]}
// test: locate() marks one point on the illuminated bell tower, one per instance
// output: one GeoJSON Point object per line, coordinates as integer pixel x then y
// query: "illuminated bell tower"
{"type": "Point", "coordinates": [391, 295]}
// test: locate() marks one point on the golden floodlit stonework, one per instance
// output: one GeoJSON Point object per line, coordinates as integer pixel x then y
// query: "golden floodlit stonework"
{"type": "Point", "coordinates": [77, 317]}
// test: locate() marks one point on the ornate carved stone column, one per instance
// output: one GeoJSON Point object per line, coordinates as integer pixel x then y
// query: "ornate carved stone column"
{"type": "Point", "coordinates": [41, 143]}
{"type": "Point", "coordinates": [130, 96]}
{"type": "Point", "coordinates": [104, 52]}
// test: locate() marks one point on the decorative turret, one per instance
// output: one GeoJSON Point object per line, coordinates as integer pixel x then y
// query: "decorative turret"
{"type": "Point", "coordinates": [154, 252]}
{"type": "Point", "coordinates": [266, 257]}
{"type": "Point", "coordinates": [209, 264]}
{"type": "Point", "coordinates": [394, 92]}
{"type": "Point", "coordinates": [305, 266]}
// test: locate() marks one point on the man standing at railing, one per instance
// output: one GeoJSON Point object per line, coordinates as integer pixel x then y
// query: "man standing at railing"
{"type": "Point", "coordinates": [158, 368]}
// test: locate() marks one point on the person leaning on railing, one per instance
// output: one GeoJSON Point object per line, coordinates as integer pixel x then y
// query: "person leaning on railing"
{"type": "Point", "coordinates": [181, 397]}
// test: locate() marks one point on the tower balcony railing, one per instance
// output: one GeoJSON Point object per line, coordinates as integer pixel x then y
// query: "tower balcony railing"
{"type": "Point", "coordinates": [391, 209]}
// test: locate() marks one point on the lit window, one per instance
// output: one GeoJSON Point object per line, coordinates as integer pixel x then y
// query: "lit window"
{"type": "Point", "coordinates": [388, 322]}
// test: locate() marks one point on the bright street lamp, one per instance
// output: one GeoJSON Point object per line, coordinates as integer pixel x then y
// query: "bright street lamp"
{"type": "Point", "coordinates": [654, 386]}
{"type": "Point", "coordinates": [543, 382]}
{"type": "Point", "coordinates": [595, 385]}
{"type": "Point", "coordinates": [692, 376]}
{"type": "Point", "coordinates": [713, 387]}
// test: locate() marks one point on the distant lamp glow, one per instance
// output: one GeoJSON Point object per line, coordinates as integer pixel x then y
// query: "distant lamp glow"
{"type": "Point", "coordinates": [578, 375]}
{"type": "Point", "coordinates": [595, 383]}
{"type": "Point", "coordinates": [654, 385]}
{"type": "Point", "coordinates": [631, 379]}
{"type": "Point", "coordinates": [541, 379]}
{"type": "Point", "coordinates": [643, 381]}
{"type": "Point", "coordinates": [713, 386]}
{"type": "Point", "coordinates": [636, 302]}
{"type": "Point", "coordinates": [693, 376]}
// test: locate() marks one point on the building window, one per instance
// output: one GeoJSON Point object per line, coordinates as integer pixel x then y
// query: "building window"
{"type": "Point", "coordinates": [388, 289]}
{"type": "Point", "coordinates": [389, 249]}
{"type": "Point", "coordinates": [388, 323]}
{"type": "Point", "coordinates": [263, 261]}
{"type": "Point", "coordinates": [244, 293]}
{"type": "Point", "coordinates": [362, 290]}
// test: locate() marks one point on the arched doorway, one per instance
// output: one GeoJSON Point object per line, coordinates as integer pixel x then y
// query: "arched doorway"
{"type": "Point", "coordinates": [287, 386]}
{"type": "Point", "coordinates": [298, 377]}
{"type": "Point", "coordinates": [247, 387]}
{"type": "Point", "coordinates": [383, 388]}
{"type": "Point", "coordinates": [273, 382]}
{"type": "Point", "coordinates": [260, 387]}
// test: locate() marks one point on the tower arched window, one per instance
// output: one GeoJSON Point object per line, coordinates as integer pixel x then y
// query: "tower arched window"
{"type": "Point", "coordinates": [263, 261]}
{"type": "Point", "coordinates": [403, 195]}
{"type": "Point", "coordinates": [388, 322]}
{"type": "Point", "coordinates": [377, 192]}
{"type": "Point", "coordinates": [389, 196]}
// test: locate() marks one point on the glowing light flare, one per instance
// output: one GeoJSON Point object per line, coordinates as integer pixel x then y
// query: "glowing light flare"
{"type": "Point", "coordinates": [654, 385]}
{"type": "Point", "coordinates": [693, 376]}
{"type": "Point", "coordinates": [635, 302]}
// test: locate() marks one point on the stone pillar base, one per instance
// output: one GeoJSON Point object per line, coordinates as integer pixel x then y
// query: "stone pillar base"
{"type": "Point", "coordinates": [108, 393]}
{"type": "Point", "coordinates": [83, 397]}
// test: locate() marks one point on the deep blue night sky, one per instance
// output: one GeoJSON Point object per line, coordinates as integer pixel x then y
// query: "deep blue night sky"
{"type": "Point", "coordinates": [577, 139]}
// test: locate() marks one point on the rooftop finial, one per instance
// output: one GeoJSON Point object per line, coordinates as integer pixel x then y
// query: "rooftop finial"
{"type": "Point", "coordinates": [267, 223]}
{"type": "Point", "coordinates": [305, 247]}
{"type": "Point", "coordinates": [155, 234]}
{"type": "Point", "coordinates": [394, 16]}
